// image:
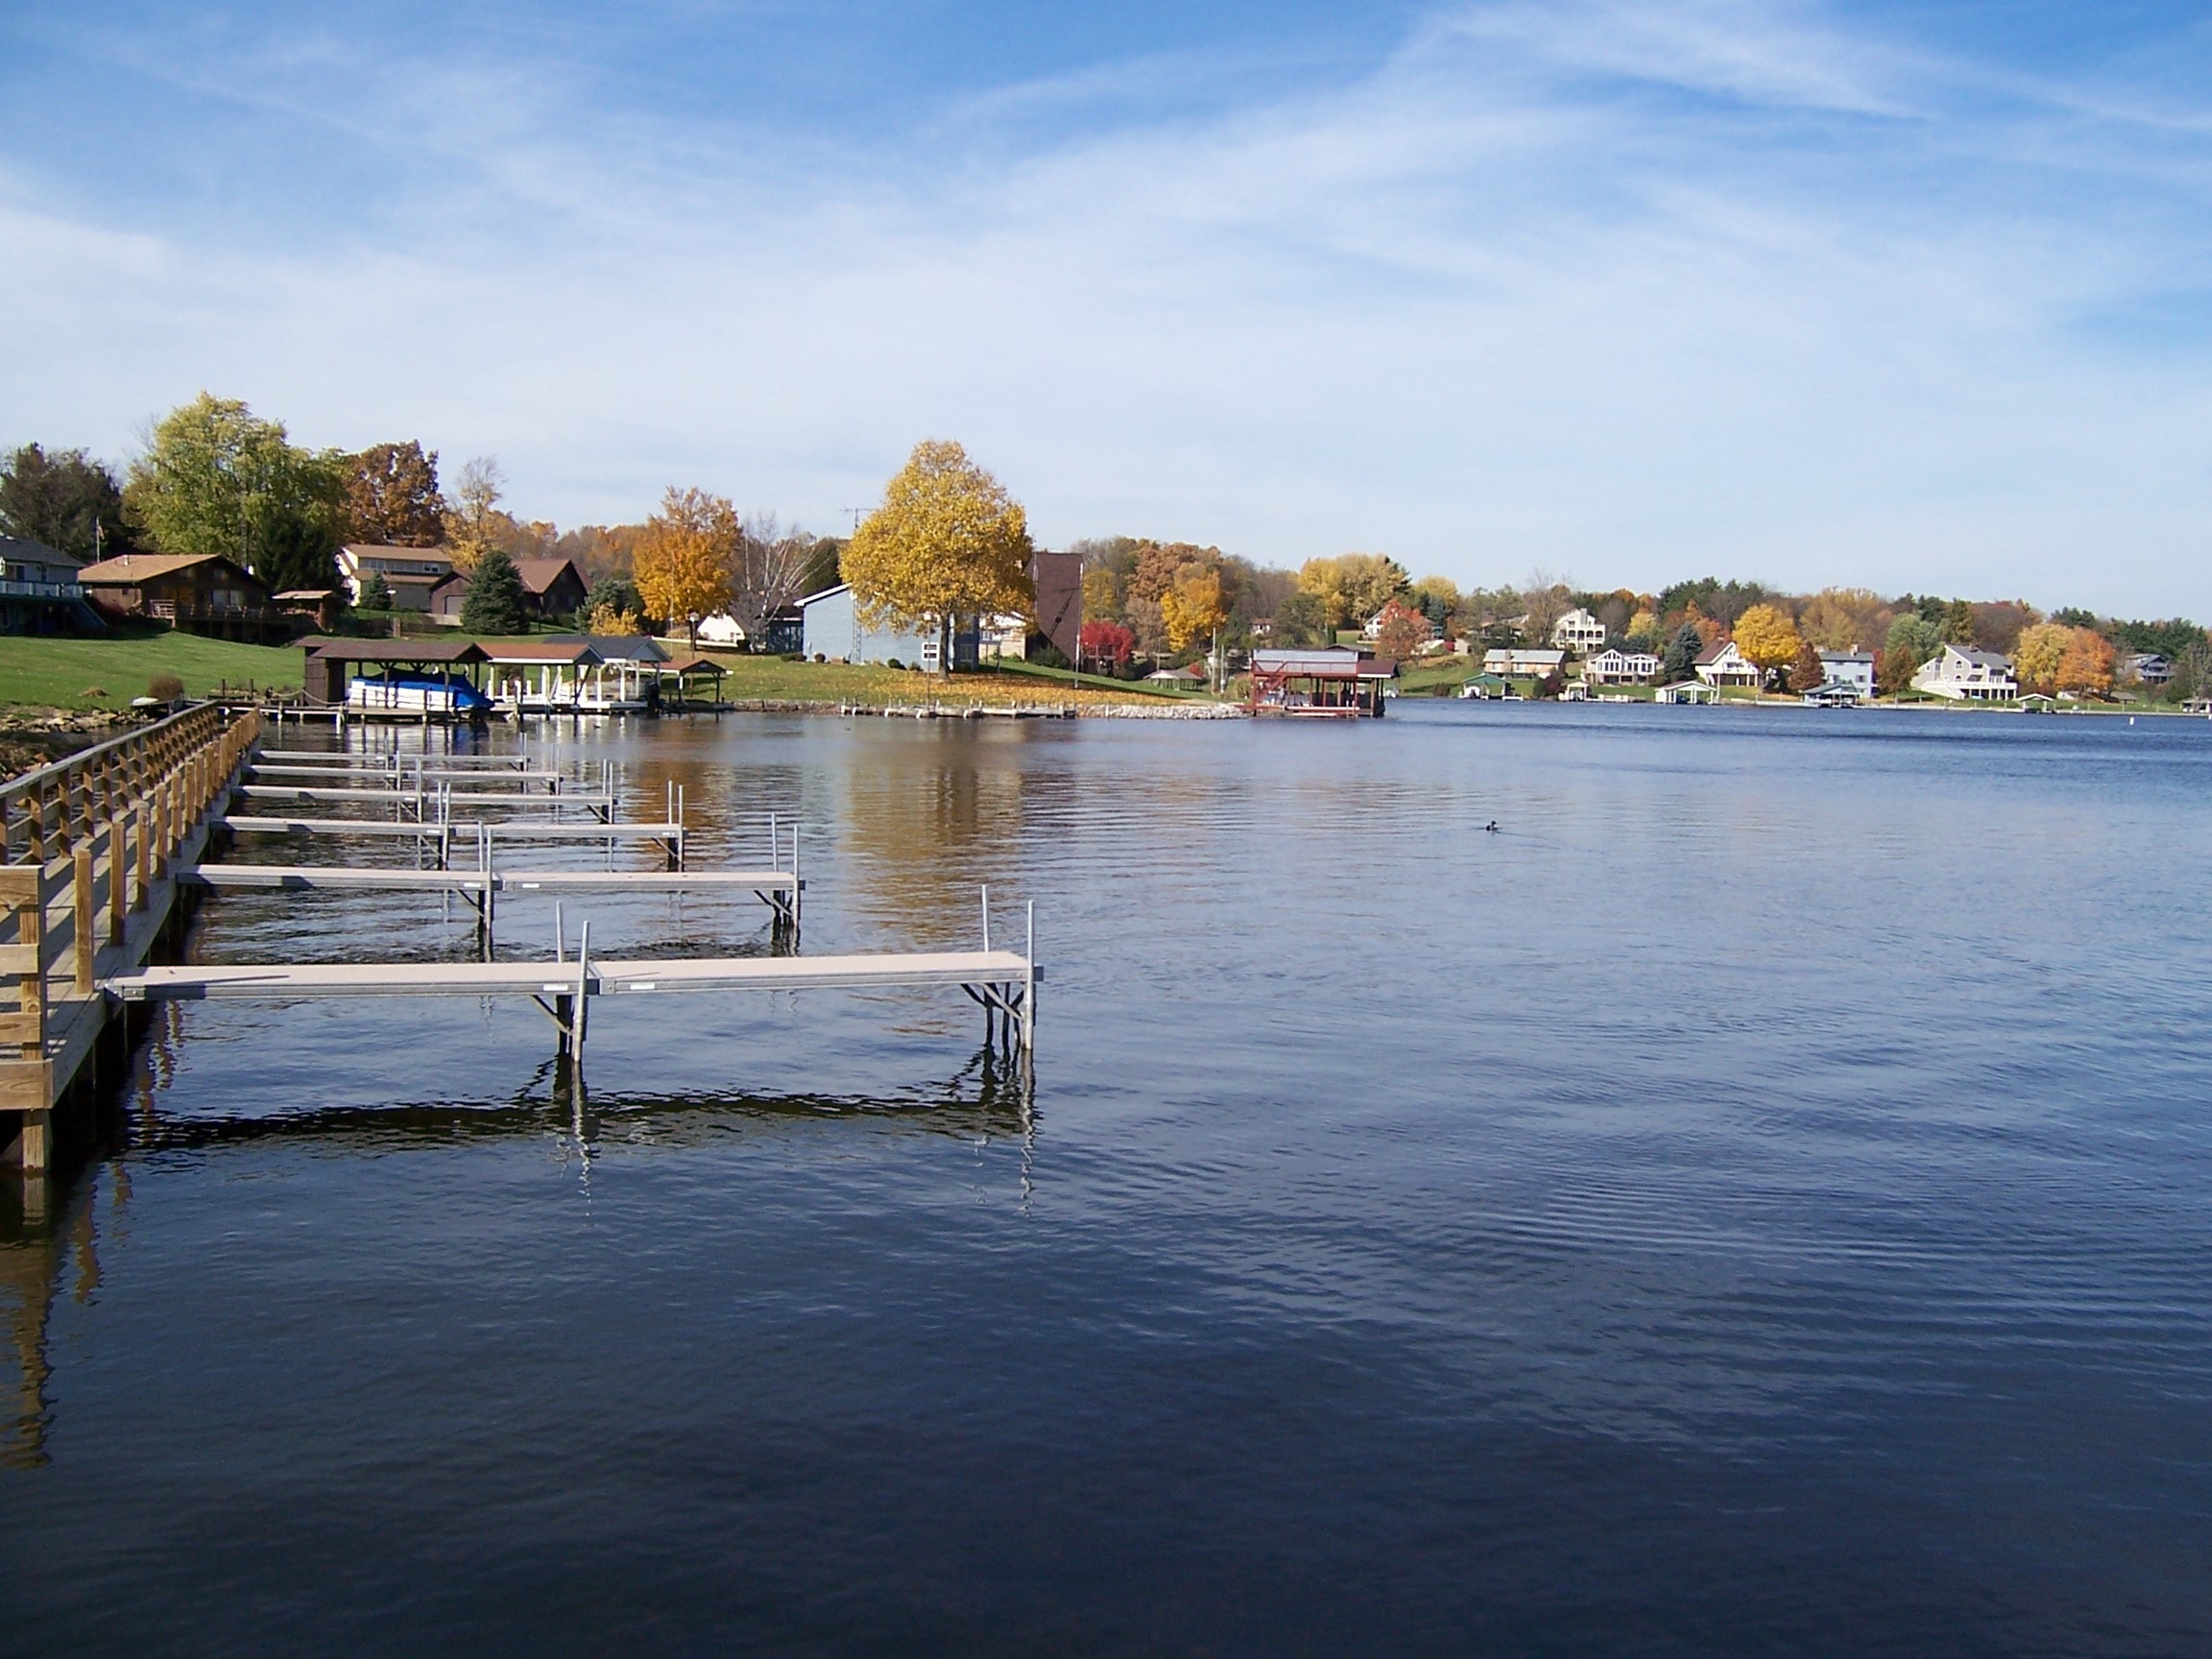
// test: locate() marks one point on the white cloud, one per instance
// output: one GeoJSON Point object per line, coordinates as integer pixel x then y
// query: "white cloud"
{"type": "Point", "coordinates": [1808, 316]}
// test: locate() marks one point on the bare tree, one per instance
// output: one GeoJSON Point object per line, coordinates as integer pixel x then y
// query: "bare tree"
{"type": "Point", "coordinates": [769, 570]}
{"type": "Point", "coordinates": [1545, 600]}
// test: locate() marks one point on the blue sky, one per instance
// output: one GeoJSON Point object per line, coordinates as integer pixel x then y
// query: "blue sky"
{"type": "Point", "coordinates": [1914, 297]}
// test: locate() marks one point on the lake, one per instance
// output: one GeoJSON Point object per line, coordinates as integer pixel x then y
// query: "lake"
{"type": "Point", "coordinates": [1755, 1200]}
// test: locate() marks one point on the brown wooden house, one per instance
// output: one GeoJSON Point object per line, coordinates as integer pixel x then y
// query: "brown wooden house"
{"type": "Point", "coordinates": [199, 592]}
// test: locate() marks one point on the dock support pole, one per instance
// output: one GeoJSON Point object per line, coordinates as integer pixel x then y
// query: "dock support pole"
{"type": "Point", "coordinates": [1029, 1004]}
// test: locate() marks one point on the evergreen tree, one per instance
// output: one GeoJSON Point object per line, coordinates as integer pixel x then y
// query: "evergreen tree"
{"type": "Point", "coordinates": [376, 592]}
{"type": "Point", "coordinates": [494, 601]}
{"type": "Point", "coordinates": [1681, 659]}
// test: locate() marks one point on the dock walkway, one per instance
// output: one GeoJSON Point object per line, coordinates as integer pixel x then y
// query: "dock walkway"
{"type": "Point", "coordinates": [98, 851]}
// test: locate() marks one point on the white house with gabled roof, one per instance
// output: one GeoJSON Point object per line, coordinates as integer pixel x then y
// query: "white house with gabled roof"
{"type": "Point", "coordinates": [1964, 674]}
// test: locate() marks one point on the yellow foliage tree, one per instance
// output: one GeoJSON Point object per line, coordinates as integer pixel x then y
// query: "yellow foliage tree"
{"type": "Point", "coordinates": [2087, 666]}
{"type": "Point", "coordinates": [683, 561]}
{"type": "Point", "coordinates": [1845, 619]}
{"type": "Point", "coordinates": [1768, 639]}
{"type": "Point", "coordinates": [1352, 587]}
{"type": "Point", "coordinates": [1192, 607]}
{"type": "Point", "coordinates": [948, 541]}
{"type": "Point", "coordinates": [1101, 596]}
{"type": "Point", "coordinates": [611, 621]}
{"type": "Point", "coordinates": [1441, 588]}
{"type": "Point", "coordinates": [2038, 653]}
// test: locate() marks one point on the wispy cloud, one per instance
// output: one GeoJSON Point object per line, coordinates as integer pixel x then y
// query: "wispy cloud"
{"type": "Point", "coordinates": [1627, 289]}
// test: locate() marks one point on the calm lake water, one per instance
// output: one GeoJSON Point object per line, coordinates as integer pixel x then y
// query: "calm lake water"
{"type": "Point", "coordinates": [1756, 1201]}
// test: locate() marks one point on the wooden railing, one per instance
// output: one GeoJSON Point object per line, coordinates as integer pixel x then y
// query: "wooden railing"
{"type": "Point", "coordinates": [83, 843]}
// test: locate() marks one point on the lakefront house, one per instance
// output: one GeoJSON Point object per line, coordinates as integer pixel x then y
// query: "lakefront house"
{"type": "Point", "coordinates": [1615, 666]}
{"type": "Point", "coordinates": [1849, 670]}
{"type": "Point", "coordinates": [1964, 674]}
{"type": "Point", "coordinates": [1720, 664]}
{"type": "Point", "coordinates": [1578, 631]}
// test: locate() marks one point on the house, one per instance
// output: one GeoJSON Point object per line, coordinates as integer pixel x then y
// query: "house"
{"type": "Point", "coordinates": [40, 592]}
{"type": "Point", "coordinates": [2150, 668]}
{"type": "Point", "coordinates": [552, 589]}
{"type": "Point", "coordinates": [1522, 662]}
{"type": "Point", "coordinates": [1720, 664]}
{"type": "Point", "coordinates": [1964, 674]}
{"type": "Point", "coordinates": [1004, 639]}
{"type": "Point", "coordinates": [1189, 679]}
{"type": "Point", "coordinates": [1578, 631]}
{"type": "Point", "coordinates": [410, 572]}
{"type": "Point", "coordinates": [1615, 666]}
{"type": "Point", "coordinates": [1854, 669]}
{"type": "Point", "coordinates": [832, 627]}
{"type": "Point", "coordinates": [198, 592]}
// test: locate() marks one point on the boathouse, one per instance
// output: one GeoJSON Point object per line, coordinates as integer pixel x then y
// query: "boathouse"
{"type": "Point", "coordinates": [332, 663]}
{"type": "Point", "coordinates": [1333, 682]}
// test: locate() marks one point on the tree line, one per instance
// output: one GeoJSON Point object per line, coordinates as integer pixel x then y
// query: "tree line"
{"type": "Point", "coordinates": [950, 540]}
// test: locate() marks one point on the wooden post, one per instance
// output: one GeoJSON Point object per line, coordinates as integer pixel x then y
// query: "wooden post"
{"type": "Point", "coordinates": [81, 917]}
{"type": "Point", "coordinates": [36, 1147]}
{"type": "Point", "coordinates": [141, 845]}
{"type": "Point", "coordinates": [118, 876]}
{"type": "Point", "coordinates": [19, 895]}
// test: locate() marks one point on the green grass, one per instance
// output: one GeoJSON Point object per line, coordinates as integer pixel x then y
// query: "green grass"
{"type": "Point", "coordinates": [108, 673]}
{"type": "Point", "coordinates": [773, 679]}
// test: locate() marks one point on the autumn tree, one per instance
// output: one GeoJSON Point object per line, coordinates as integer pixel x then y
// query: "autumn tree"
{"type": "Point", "coordinates": [1845, 619]}
{"type": "Point", "coordinates": [2038, 653]}
{"type": "Point", "coordinates": [2087, 664]}
{"type": "Point", "coordinates": [1103, 643]}
{"type": "Point", "coordinates": [391, 497]}
{"type": "Point", "coordinates": [1958, 623]}
{"type": "Point", "coordinates": [1808, 673]}
{"type": "Point", "coordinates": [1404, 632]}
{"type": "Point", "coordinates": [65, 499]}
{"type": "Point", "coordinates": [494, 602]}
{"type": "Point", "coordinates": [948, 541]}
{"type": "Point", "coordinates": [1768, 639]}
{"type": "Point", "coordinates": [472, 518]}
{"type": "Point", "coordinates": [683, 560]}
{"type": "Point", "coordinates": [215, 478]}
{"type": "Point", "coordinates": [1192, 608]}
{"type": "Point", "coordinates": [1894, 669]}
{"type": "Point", "coordinates": [1101, 594]}
{"type": "Point", "coordinates": [1353, 586]}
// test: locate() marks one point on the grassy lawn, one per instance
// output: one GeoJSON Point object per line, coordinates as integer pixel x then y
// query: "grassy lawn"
{"type": "Point", "coordinates": [774, 680]}
{"type": "Point", "coordinates": [108, 673]}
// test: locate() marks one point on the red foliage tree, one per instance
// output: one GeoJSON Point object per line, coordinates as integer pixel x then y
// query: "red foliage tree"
{"type": "Point", "coordinates": [1106, 642]}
